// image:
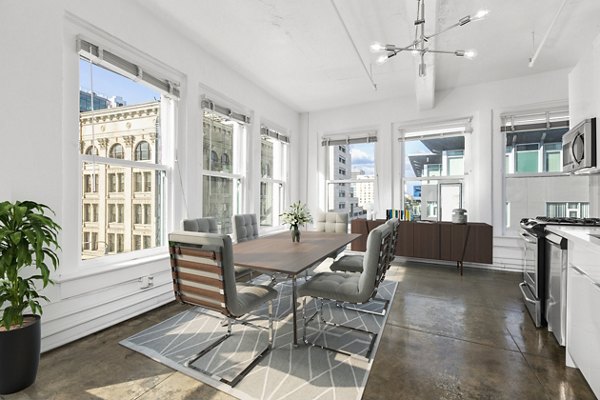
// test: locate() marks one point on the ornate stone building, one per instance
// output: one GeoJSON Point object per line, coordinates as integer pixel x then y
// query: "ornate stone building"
{"type": "Point", "coordinates": [120, 203]}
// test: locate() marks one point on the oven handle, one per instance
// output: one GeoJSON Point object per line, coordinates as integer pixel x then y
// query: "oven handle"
{"type": "Point", "coordinates": [528, 299]}
{"type": "Point", "coordinates": [527, 237]}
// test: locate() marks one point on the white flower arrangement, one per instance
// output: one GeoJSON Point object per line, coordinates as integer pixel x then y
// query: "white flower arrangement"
{"type": "Point", "coordinates": [298, 214]}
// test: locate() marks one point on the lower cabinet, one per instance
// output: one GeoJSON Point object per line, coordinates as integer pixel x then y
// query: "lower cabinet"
{"type": "Point", "coordinates": [583, 325]}
{"type": "Point", "coordinates": [470, 242]}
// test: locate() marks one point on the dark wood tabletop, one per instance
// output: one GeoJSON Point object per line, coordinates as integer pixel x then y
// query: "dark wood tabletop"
{"type": "Point", "coordinates": [277, 253]}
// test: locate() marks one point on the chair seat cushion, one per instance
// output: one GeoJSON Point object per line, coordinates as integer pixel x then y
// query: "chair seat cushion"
{"type": "Point", "coordinates": [249, 297]}
{"type": "Point", "coordinates": [348, 263]}
{"type": "Point", "coordinates": [336, 286]}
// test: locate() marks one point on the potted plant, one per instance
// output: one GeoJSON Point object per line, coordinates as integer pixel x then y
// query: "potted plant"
{"type": "Point", "coordinates": [28, 245]}
{"type": "Point", "coordinates": [297, 215]}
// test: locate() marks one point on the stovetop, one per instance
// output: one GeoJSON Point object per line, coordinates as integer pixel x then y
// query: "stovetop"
{"type": "Point", "coordinates": [537, 224]}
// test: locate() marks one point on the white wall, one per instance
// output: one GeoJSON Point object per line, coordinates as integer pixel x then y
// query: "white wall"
{"type": "Point", "coordinates": [39, 142]}
{"type": "Point", "coordinates": [584, 102]}
{"type": "Point", "coordinates": [484, 102]}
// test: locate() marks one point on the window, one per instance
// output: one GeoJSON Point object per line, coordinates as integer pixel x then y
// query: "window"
{"type": "Point", "coordinates": [116, 151]}
{"type": "Point", "coordinates": [568, 209]}
{"type": "Point", "coordinates": [137, 214]}
{"type": "Point", "coordinates": [90, 183]}
{"type": "Point", "coordinates": [113, 185]}
{"type": "Point", "coordinates": [147, 214]}
{"type": "Point", "coordinates": [147, 181]}
{"type": "Point", "coordinates": [147, 242]}
{"type": "Point", "coordinates": [138, 179]}
{"type": "Point", "coordinates": [91, 151]}
{"type": "Point", "coordinates": [351, 184]}
{"type": "Point", "coordinates": [142, 151]}
{"type": "Point", "coordinates": [273, 161]}
{"type": "Point", "coordinates": [534, 184]}
{"type": "Point", "coordinates": [222, 185]}
{"type": "Point", "coordinates": [137, 242]}
{"type": "Point", "coordinates": [433, 169]}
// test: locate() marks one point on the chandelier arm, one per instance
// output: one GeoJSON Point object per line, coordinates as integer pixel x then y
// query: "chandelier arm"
{"type": "Point", "coordinates": [442, 51]}
{"type": "Point", "coordinates": [443, 31]}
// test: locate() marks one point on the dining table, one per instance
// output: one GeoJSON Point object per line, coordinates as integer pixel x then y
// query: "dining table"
{"type": "Point", "coordinates": [277, 253]}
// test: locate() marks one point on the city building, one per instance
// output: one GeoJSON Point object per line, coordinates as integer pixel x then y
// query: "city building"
{"type": "Point", "coordinates": [119, 205]}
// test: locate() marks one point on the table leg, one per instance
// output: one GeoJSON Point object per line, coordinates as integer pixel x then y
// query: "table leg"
{"type": "Point", "coordinates": [294, 310]}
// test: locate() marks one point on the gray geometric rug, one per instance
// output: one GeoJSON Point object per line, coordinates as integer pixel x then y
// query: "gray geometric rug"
{"type": "Point", "coordinates": [287, 372]}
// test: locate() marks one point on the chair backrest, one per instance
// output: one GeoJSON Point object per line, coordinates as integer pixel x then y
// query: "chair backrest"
{"type": "Point", "coordinates": [245, 227]}
{"type": "Point", "coordinates": [332, 222]}
{"type": "Point", "coordinates": [203, 271]}
{"type": "Point", "coordinates": [394, 224]}
{"type": "Point", "coordinates": [375, 261]}
{"type": "Point", "coordinates": [208, 225]}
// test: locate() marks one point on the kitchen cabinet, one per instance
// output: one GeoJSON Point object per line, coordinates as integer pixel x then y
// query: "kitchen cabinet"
{"type": "Point", "coordinates": [471, 242]}
{"type": "Point", "coordinates": [583, 319]}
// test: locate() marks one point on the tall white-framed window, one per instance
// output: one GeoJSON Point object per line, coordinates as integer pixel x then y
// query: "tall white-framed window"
{"type": "Point", "coordinates": [351, 184]}
{"type": "Point", "coordinates": [534, 184]}
{"type": "Point", "coordinates": [433, 169]}
{"type": "Point", "coordinates": [273, 175]}
{"type": "Point", "coordinates": [124, 111]}
{"type": "Point", "coordinates": [224, 155]}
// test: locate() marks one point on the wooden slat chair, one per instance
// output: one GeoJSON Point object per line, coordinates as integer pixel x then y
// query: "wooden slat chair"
{"type": "Point", "coordinates": [203, 275]}
{"type": "Point", "coordinates": [350, 287]}
{"type": "Point", "coordinates": [209, 225]}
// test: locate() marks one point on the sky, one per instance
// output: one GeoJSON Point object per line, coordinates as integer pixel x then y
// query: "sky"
{"type": "Point", "coordinates": [108, 83]}
{"type": "Point", "coordinates": [363, 157]}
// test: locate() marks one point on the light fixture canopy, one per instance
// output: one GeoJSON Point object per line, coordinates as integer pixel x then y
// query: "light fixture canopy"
{"type": "Point", "coordinates": [419, 44]}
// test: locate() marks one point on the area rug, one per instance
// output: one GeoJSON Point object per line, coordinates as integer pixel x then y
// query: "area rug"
{"type": "Point", "coordinates": [287, 372]}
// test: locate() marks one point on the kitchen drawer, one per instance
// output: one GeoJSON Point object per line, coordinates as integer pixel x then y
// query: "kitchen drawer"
{"type": "Point", "coordinates": [583, 325]}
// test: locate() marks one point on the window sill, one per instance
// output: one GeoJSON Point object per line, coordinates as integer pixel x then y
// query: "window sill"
{"type": "Point", "coordinates": [109, 264]}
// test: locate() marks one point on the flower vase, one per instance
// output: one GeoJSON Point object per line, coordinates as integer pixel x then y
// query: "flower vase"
{"type": "Point", "coordinates": [295, 234]}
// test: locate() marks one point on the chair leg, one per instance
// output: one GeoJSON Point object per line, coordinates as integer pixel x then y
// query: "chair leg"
{"type": "Point", "coordinates": [350, 306]}
{"type": "Point", "coordinates": [319, 312]}
{"type": "Point", "coordinates": [188, 363]}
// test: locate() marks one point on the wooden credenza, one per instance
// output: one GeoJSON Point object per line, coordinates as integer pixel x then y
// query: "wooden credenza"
{"type": "Point", "coordinates": [471, 242]}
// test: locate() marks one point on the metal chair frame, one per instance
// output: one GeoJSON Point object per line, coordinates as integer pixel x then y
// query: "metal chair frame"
{"type": "Point", "coordinates": [214, 299]}
{"type": "Point", "coordinates": [380, 275]}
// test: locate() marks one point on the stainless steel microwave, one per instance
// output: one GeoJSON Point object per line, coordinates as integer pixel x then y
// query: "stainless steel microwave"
{"type": "Point", "coordinates": [579, 146]}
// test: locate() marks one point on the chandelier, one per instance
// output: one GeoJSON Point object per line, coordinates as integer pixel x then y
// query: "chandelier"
{"type": "Point", "coordinates": [419, 45]}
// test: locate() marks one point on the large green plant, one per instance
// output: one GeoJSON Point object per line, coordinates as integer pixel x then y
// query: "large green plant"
{"type": "Point", "coordinates": [27, 238]}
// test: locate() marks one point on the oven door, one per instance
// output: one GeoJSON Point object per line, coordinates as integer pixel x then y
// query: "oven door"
{"type": "Point", "coordinates": [531, 285]}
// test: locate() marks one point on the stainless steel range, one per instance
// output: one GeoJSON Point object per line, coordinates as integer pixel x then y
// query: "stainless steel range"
{"type": "Point", "coordinates": [544, 269]}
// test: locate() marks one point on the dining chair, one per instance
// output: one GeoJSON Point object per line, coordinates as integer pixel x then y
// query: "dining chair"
{"type": "Point", "coordinates": [245, 227]}
{"type": "Point", "coordinates": [209, 225]}
{"type": "Point", "coordinates": [354, 262]}
{"type": "Point", "coordinates": [333, 222]}
{"type": "Point", "coordinates": [349, 287]}
{"type": "Point", "coordinates": [203, 275]}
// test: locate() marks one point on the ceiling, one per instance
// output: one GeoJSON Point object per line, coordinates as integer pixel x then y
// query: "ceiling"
{"type": "Point", "coordinates": [299, 51]}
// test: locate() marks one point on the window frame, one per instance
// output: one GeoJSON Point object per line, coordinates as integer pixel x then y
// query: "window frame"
{"type": "Point", "coordinates": [169, 117]}
{"type": "Point", "coordinates": [280, 184]}
{"type": "Point", "coordinates": [432, 129]}
{"type": "Point", "coordinates": [237, 171]}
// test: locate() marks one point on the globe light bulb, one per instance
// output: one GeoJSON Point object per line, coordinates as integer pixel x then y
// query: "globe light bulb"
{"type": "Point", "coordinates": [470, 54]}
{"type": "Point", "coordinates": [382, 59]}
{"type": "Point", "coordinates": [376, 47]}
{"type": "Point", "coordinates": [481, 14]}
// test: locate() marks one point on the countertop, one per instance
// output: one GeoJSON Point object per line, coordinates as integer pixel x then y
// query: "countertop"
{"type": "Point", "coordinates": [584, 249]}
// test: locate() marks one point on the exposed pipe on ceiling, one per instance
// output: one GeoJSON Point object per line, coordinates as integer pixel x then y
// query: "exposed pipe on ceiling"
{"type": "Point", "coordinates": [537, 52]}
{"type": "Point", "coordinates": [354, 45]}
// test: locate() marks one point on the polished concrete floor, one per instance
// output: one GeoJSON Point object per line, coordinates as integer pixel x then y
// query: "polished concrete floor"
{"type": "Point", "coordinates": [447, 337]}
